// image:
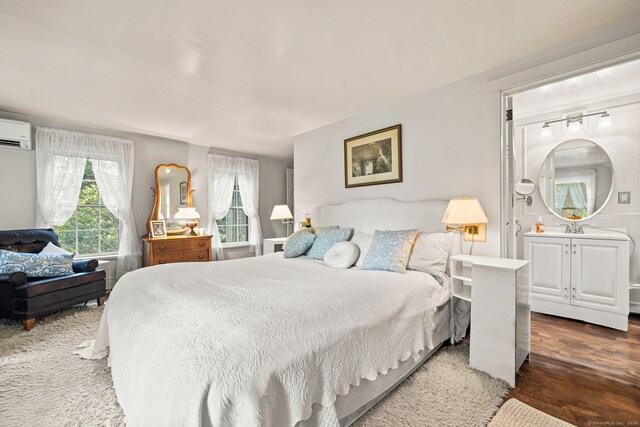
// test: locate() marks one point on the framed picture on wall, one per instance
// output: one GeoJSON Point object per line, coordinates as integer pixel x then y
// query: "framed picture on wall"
{"type": "Point", "coordinates": [373, 158]}
{"type": "Point", "coordinates": [183, 193]}
{"type": "Point", "coordinates": [158, 228]}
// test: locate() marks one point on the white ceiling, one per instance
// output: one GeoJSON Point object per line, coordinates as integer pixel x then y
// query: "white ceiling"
{"type": "Point", "coordinates": [248, 75]}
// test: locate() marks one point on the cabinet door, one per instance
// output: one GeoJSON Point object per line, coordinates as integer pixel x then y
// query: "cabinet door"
{"type": "Point", "coordinates": [550, 272]}
{"type": "Point", "coordinates": [600, 272]}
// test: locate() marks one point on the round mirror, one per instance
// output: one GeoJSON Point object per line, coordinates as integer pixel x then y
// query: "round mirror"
{"type": "Point", "coordinates": [576, 179]}
{"type": "Point", "coordinates": [525, 186]}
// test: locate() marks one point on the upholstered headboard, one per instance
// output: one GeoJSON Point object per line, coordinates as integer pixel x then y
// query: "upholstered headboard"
{"type": "Point", "coordinates": [369, 215]}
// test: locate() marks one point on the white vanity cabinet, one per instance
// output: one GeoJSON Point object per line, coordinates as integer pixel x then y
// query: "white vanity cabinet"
{"type": "Point", "coordinates": [580, 276]}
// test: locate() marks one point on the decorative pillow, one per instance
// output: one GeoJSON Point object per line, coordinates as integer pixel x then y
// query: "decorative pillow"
{"type": "Point", "coordinates": [430, 253]}
{"type": "Point", "coordinates": [389, 250]}
{"type": "Point", "coordinates": [325, 238]}
{"type": "Point", "coordinates": [363, 241]}
{"type": "Point", "coordinates": [341, 255]}
{"type": "Point", "coordinates": [298, 243]}
{"type": "Point", "coordinates": [36, 265]}
{"type": "Point", "coordinates": [52, 249]}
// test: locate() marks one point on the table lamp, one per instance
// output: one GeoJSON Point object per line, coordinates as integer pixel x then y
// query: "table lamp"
{"type": "Point", "coordinates": [190, 216]}
{"type": "Point", "coordinates": [466, 214]}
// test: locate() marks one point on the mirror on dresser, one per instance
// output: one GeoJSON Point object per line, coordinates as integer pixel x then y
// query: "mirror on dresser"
{"type": "Point", "coordinates": [172, 192]}
{"type": "Point", "coordinates": [576, 179]}
{"type": "Point", "coordinates": [173, 204]}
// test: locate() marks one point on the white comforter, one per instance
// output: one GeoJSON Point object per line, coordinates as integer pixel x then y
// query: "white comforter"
{"type": "Point", "coordinates": [256, 342]}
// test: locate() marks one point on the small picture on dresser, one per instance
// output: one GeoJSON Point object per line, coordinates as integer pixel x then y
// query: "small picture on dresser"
{"type": "Point", "coordinates": [158, 228]}
{"type": "Point", "coordinates": [373, 158]}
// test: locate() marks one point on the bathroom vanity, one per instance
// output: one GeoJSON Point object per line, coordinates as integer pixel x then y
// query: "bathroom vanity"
{"type": "Point", "coordinates": [582, 276]}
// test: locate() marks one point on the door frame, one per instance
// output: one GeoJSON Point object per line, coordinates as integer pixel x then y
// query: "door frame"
{"type": "Point", "coordinates": [507, 136]}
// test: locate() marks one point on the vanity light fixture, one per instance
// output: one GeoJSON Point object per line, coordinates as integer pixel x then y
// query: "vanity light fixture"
{"type": "Point", "coordinates": [574, 123]}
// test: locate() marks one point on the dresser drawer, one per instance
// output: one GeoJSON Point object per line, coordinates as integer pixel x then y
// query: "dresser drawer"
{"type": "Point", "coordinates": [197, 244]}
{"type": "Point", "coordinates": [168, 246]}
{"type": "Point", "coordinates": [184, 256]}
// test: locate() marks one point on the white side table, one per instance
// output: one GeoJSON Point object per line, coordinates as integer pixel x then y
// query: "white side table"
{"type": "Point", "coordinates": [500, 313]}
{"type": "Point", "coordinates": [270, 246]}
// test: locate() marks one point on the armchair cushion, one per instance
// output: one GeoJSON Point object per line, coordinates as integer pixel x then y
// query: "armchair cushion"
{"type": "Point", "coordinates": [85, 265]}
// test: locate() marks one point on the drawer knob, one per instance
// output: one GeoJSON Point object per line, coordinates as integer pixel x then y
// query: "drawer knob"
{"type": "Point", "coordinates": [162, 248]}
{"type": "Point", "coordinates": [201, 244]}
{"type": "Point", "coordinates": [200, 256]}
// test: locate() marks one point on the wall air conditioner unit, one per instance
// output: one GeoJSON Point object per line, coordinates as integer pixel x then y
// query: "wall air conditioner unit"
{"type": "Point", "coordinates": [14, 134]}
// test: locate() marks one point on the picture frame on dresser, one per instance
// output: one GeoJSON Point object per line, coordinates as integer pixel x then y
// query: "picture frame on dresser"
{"type": "Point", "coordinates": [158, 228]}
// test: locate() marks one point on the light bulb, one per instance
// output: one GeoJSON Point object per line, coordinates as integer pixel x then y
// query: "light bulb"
{"type": "Point", "coordinates": [574, 127]}
{"type": "Point", "coordinates": [546, 132]}
{"type": "Point", "coordinates": [605, 123]}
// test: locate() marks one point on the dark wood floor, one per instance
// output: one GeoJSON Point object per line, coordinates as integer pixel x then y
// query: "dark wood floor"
{"type": "Point", "coordinates": [584, 374]}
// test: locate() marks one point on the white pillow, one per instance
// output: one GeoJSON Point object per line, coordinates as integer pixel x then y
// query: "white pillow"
{"type": "Point", "coordinates": [430, 253]}
{"type": "Point", "coordinates": [341, 255]}
{"type": "Point", "coordinates": [363, 242]}
{"type": "Point", "coordinates": [52, 249]}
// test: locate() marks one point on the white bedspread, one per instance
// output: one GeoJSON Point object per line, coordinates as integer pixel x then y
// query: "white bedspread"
{"type": "Point", "coordinates": [255, 342]}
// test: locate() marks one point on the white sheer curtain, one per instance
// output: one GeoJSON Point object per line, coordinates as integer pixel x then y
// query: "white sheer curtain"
{"type": "Point", "coordinates": [59, 178]}
{"type": "Point", "coordinates": [61, 157]}
{"type": "Point", "coordinates": [248, 184]}
{"type": "Point", "coordinates": [222, 175]}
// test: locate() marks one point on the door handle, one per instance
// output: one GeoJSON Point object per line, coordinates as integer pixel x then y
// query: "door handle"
{"type": "Point", "coordinates": [566, 293]}
{"type": "Point", "coordinates": [573, 293]}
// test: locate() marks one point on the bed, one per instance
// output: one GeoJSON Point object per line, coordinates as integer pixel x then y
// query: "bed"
{"type": "Point", "coordinates": [269, 341]}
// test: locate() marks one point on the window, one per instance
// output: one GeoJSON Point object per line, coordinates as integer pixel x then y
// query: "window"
{"type": "Point", "coordinates": [92, 229]}
{"type": "Point", "coordinates": [234, 228]}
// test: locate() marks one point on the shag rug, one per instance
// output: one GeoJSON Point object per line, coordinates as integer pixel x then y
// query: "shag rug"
{"type": "Point", "coordinates": [43, 384]}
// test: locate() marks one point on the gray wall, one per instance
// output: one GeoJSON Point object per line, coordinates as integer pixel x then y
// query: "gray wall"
{"type": "Point", "coordinates": [18, 178]}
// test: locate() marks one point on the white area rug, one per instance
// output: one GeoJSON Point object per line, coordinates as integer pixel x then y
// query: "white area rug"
{"type": "Point", "coordinates": [43, 384]}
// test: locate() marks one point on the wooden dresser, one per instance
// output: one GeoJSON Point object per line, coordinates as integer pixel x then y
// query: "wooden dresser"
{"type": "Point", "coordinates": [164, 250]}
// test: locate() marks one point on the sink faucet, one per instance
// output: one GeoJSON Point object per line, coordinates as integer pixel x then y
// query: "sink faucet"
{"type": "Point", "coordinates": [574, 228]}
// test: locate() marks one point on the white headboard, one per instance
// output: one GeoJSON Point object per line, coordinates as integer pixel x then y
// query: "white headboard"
{"type": "Point", "coordinates": [369, 215]}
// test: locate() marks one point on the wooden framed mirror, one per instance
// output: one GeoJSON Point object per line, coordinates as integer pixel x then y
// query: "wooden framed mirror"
{"type": "Point", "coordinates": [173, 191]}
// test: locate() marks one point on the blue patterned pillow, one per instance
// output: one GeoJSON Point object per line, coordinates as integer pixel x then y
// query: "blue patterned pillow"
{"type": "Point", "coordinates": [389, 250]}
{"type": "Point", "coordinates": [298, 243]}
{"type": "Point", "coordinates": [325, 238]}
{"type": "Point", "coordinates": [36, 265]}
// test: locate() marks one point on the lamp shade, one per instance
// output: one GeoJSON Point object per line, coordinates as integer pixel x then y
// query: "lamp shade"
{"type": "Point", "coordinates": [464, 211]}
{"type": "Point", "coordinates": [187, 213]}
{"type": "Point", "coordinates": [281, 212]}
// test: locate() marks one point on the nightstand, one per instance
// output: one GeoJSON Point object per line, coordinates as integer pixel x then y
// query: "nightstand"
{"type": "Point", "coordinates": [276, 244]}
{"type": "Point", "coordinates": [498, 290]}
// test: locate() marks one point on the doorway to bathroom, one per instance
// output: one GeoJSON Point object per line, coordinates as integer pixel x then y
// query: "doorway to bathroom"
{"type": "Point", "coordinates": [571, 159]}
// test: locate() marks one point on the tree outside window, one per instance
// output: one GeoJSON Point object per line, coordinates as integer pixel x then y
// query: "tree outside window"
{"type": "Point", "coordinates": [93, 229]}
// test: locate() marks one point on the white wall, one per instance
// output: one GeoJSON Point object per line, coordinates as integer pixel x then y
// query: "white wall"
{"type": "Point", "coordinates": [443, 154]}
{"type": "Point", "coordinates": [451, 135]}
{"type": "Point", "coordinates": [18, 178]}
